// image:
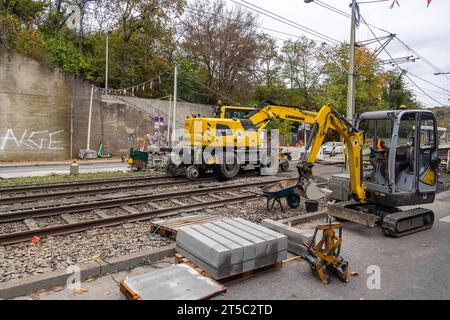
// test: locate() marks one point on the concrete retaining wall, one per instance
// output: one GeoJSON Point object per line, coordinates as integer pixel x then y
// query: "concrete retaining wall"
{"type": "Point", "coordinates": [126, 119]}
{"type": "Point", "coordinates": [39, 109]}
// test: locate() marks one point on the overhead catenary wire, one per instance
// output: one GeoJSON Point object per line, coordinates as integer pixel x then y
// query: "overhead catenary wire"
{"type": "Point", "coordinates": [342, 13]}
{"type": "Point", "coordinates": [194, 10]}
{"type": "Point", "coordinates": [405, 72]}
{"type": "Point", "coordinates": [286, 21]}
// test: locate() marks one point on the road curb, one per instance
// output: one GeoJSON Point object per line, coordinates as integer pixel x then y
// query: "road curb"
{"type": "Point", "coordinates": [29, 285]}
{"type": "Point", "coordinates": [57, 163]}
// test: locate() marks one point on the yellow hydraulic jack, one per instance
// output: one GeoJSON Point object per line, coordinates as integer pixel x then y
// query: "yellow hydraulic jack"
{"type": "Point", "coordinates": [324, 255]}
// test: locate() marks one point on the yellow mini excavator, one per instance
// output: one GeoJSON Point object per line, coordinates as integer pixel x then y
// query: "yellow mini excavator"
{"type": "Point", "coordinates": [399, 147]}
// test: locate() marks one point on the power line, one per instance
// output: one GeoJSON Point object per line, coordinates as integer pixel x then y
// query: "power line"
{"type": "Point", "coordinates": [345, 14]}
{"type": "Point", "coordinates": [431, 83]}
{"type": "Point", "coordinates": [342, 13]}
{"type": "Point", "coordinates": [404, 71]}
{"type": "Point", "coordinates": [286, 21]}
{"type": "Point", "coordinates": [422, 57]}
{"type": "Point", "coordinates": [194, 10]}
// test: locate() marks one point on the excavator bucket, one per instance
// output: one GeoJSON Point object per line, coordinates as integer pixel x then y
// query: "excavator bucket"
{"type": "Point", "coordinates": [311, 191]}
{"type": "Point", "coordinates": [307, 187]}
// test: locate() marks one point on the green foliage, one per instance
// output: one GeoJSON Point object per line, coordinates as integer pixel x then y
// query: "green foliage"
{"type": "Point", "coordinates": [68, 57]}
{"type": "Point", "coordinates": [285, 128]}
{"type": "Point", "coordinates": [26, 11]}
{"type": "Point", "coordinates": [15, 36]}
{"type": "Point", "coordinates": [220, 56]}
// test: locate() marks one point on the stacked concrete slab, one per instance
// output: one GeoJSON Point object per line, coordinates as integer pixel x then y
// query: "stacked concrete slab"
{"type": "Point", "coordinates": [231, 246]}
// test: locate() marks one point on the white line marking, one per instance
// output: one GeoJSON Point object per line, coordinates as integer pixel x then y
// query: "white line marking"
{"type": "Point", "coordinates": [445, 219]}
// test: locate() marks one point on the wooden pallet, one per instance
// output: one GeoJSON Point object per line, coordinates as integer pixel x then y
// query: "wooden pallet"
{"type": "Point", "coordinates": [128, 293]}
{"type": "Point", "coordinates": [179, 258]}
{"type": "Point", "coordinates": [168, 228]}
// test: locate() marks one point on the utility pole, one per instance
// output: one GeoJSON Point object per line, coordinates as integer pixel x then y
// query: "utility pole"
{"type": "Point", "coordinates": [169, 135]}
{"type": "Point", "coordinates": [351, 69]}
{"type": "Point", "coordinates": [107, 62]}
{"type": "Point", "coordinates": [174, 115]}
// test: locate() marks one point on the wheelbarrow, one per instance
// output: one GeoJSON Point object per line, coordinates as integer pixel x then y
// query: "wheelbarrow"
{"type": "Point", "coordinates": [282, 190]}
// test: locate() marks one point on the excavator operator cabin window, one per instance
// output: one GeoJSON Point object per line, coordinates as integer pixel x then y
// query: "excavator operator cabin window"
{"type": "Point", "coordinates": [236, 114]}
{"type": "Point", "coordinates": [223, 130]}
{"type": "Point", "coordinates": [405, 154]}
{"type": "Point", "coordinates": [377, 140]}
{"type": "Point", "coordinates": [427, 141]}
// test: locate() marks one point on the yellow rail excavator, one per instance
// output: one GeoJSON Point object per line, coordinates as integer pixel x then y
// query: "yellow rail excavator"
{"type": "Point", "coordinates": [392, 160]}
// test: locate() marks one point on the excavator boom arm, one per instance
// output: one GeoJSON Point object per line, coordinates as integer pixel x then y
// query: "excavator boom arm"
{"type": "Point", "coordinates": [328, 118]}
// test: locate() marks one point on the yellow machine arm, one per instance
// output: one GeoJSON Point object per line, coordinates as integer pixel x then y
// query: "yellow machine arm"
{"type": "Point", "coordinates": [328, 118]}
{"type": "Point", "coordinates": [323, 121]}
{"type": "Point", "coordinates": [261, 117]}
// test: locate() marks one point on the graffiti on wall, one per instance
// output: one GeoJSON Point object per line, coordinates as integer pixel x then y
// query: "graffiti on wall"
{"type": "Point", "coordinates": [31, 140]}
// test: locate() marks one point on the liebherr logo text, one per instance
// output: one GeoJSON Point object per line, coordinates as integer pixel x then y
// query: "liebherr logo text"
{"type": "Point", "coordinates": [226, 310]}
{"type": "Point", "coordinates": [295, 118]}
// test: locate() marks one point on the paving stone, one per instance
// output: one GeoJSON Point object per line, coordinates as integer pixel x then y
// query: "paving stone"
{"type": "Point", "coordinates": [229, 247]}
{"type": "Point", "coordinates": [271, 242]}
{"type": "Point", "coordinates": [249, 247]}
{"type": "Point", "coordinates": [282, 240]}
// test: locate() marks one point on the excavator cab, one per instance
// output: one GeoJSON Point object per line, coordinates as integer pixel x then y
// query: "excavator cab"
{"type": "Point", "coordinates": [400, 157]}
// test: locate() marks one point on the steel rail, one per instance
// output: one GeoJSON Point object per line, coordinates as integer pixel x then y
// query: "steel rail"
{"type": "Point", "coordinates": [104, 204]}
{"type": "Point", "coordinates": [75, 193]}
{"type": "Point", "coordinates": [76, 184]}
{"type": "Point", "coordinates": [17, 237]}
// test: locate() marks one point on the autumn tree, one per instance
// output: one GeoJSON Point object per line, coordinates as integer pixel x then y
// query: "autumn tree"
{"type": "Point", "coordinates": [224, 41]}
{"type": "Point", "coordinates": [370, 79]}
{"type": "Point", "coordinates": [395, 92]}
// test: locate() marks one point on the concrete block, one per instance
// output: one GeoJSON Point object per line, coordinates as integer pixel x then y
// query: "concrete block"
{"type": "Point", "coordinates": [249, 247]}
{"type": "Point", "coordinates": [294, 235]}
{"type": "Point", "coordinates": [297, 249]}
{"type": "Point", "coordinates": [237, 251]}
{"type": "Point", "coordinates": [206, 249]}
{"type": "Point", "coordinates": [260, 244]}
{"type": "Point", "coordinates": [229, 247]}
{"type": "Point", "coordinates": [281, 238]}
{"type": "Point", "coordinates": [277, 243]}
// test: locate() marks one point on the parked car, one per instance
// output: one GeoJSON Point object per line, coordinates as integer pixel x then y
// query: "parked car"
{"type": "Point", "coordinates": [328, 146]}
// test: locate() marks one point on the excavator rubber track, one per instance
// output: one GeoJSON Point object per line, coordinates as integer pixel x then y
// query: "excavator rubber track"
{"type": "Point", "coordinates": [402, 223]}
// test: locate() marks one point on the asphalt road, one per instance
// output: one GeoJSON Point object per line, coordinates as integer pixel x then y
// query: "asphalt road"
{"type": "Point", "coordinates": [413, 267]}
{"type": "Point", "coordinates": [43, 170]}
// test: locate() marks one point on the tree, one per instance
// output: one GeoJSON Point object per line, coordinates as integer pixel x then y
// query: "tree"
{"type": "Point", "coordinates": [224, 42]}
{"type": "Point", "coordinates": [370, 79]}
{"type": "Point", "coordinates": [268, 69]}
{"type": "Point", "coordinates": [395, 92]}
{"type": "Point", "coordinates": [26, 11]}
{"type": "Point", "coordinates": [303, 61]}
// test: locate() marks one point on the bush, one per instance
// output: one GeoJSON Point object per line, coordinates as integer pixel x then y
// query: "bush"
{"type": "Point", "coordinates": [68, 57]}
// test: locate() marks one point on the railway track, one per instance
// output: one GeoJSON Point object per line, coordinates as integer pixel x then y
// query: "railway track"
{"type": "Point", "coordinates": [153, 182]}
{"type": "Point", "coordinates": [161, 205]}
{"type": "Point", "coordinates": [76, 184]}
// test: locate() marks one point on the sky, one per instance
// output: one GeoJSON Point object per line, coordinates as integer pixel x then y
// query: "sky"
{"type": "Point", "coordinates": [424, 29]}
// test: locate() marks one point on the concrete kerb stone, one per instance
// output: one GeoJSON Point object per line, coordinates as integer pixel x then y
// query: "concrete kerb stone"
{"type": "Point", "coordinates": [296, 237]}
{"type": "Point", "coordinates": [249, 247]}
{"type": "Point", "coordinates": [29, 285]}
